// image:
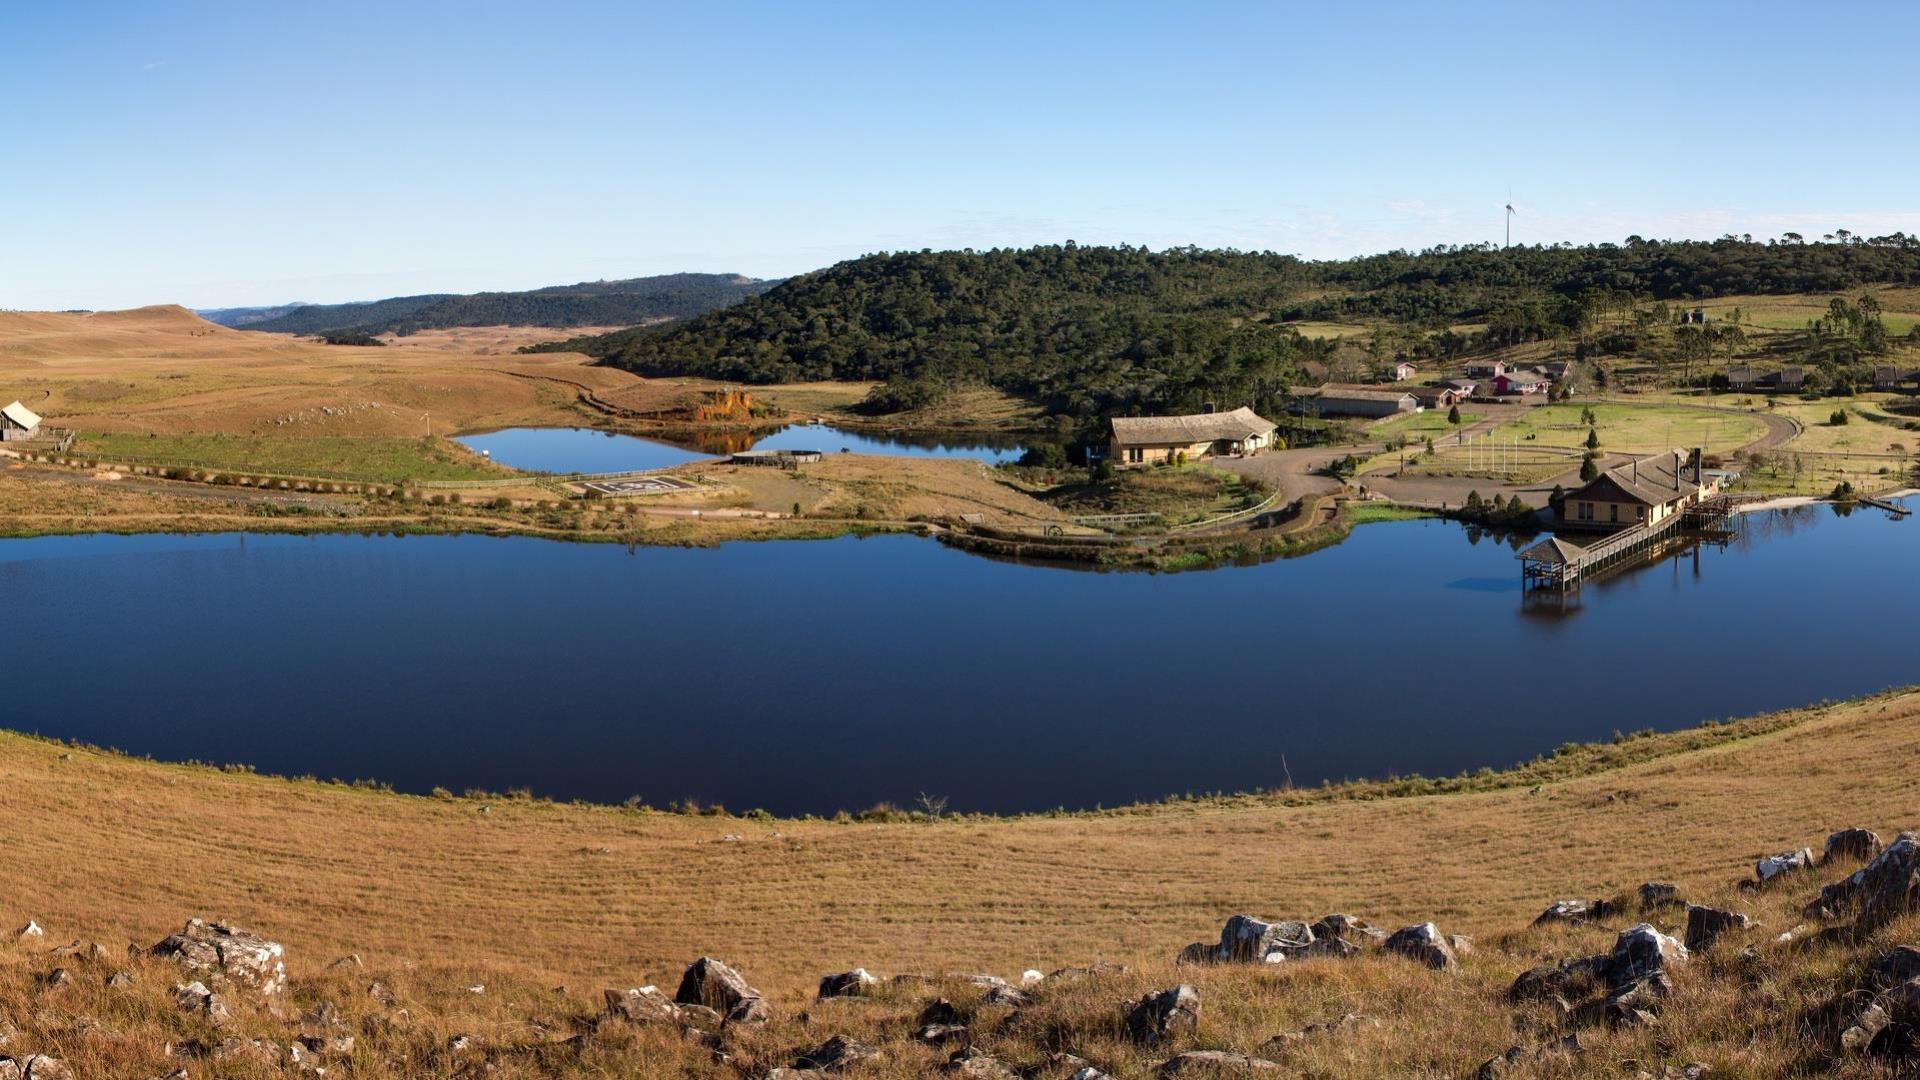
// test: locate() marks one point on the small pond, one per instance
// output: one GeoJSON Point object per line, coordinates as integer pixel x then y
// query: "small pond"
{"type": "Point", "coordinates": [586, 450]}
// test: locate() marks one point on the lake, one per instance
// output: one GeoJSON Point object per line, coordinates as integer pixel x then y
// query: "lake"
{"type": "Point", "coordinates": [585, 450]}
{"type": "Point", "coordinates": [815, 676]}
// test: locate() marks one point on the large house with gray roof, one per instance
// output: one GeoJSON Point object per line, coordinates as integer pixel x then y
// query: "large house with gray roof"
{"type": "Point", "coordinates": [1147, 440]}
{"type": "Point", "coordinates": [1645, 491]}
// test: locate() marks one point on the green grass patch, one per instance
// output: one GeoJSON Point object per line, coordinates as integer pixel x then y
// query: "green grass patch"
{"type": "Point", "coordinates": [376, 458]}
{"type": "Point", "coordinates": [1633, 429]}
{"type": "Point", "coordinates": [1372, 513]}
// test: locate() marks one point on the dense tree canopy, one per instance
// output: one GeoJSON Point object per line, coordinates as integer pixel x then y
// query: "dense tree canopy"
{"type": "Point", "coordinates": [1099, 330]}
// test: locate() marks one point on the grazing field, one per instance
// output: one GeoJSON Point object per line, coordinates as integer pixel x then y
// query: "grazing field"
{"type": "Point", "coordinates": [1900, 308]}
{"type": "Point", "coordinates": [365, 457]}
{"type": "Point", "coordinates": [1633, 429]}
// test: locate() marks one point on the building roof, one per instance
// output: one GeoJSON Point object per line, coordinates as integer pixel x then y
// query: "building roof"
{"type": "Point", "coordinates": [1553, 550]}
{"type": "Point", "coordinates": [1523, 375]}
{"type": "Point", "coordinates": [21, 415]}
{"type": "Point", "coordinates": [1430, 393]}
{"type": "Point", "coordinates": [1467, 385]}
{"type": "Point", "coordinates": [1332, 392]}
{"type": "Point", "coordinates": [1652, 481]}
{"type": "Point", "coordinates": [1200, 427]}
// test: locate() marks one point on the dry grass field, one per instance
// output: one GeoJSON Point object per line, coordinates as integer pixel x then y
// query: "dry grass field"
{"type": "Point", "coordinates": [518, 896]}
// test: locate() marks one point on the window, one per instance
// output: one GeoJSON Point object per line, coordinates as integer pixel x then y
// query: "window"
{"type": "Point", "coordinates": [1613, 512]}
{"type": "Point", "coordinates": [1643, 513]}
{"type": "Point", "coordinates": [1586, 511]}
{"type": "Point", "coordinates": [1135, 455]}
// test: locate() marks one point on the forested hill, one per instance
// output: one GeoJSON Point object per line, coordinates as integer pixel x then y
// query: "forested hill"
{"type": "Point", "coordinates": [590, 303]}
{"type": "Point", "coordinates": [1086, 329]}
{"type": "Point", "coordinates": [1095, 330]}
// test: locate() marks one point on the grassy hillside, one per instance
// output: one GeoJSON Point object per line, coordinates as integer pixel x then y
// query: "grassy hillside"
{"type": "Point", "coordinates": [589, 303]}
{"type": "Point", "coordinates": [519, 895]}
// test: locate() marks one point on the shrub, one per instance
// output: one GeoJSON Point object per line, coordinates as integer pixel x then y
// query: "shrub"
{"type": "Point", "coordinates": [1839, 418]}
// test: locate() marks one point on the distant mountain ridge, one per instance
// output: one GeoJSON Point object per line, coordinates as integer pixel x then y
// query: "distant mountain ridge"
{"type": "Point", "coordinates": [625, 302]}
{"type": "Point", "coordinates": [246, 316]}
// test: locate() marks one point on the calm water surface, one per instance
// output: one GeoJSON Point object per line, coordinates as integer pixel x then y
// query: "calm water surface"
{"type": "Point", "coordinates": [569, 450]}
{"type": "Point", "coordinates": [816, 676]}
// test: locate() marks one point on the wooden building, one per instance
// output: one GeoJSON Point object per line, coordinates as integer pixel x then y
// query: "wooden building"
{"type": "Point", "coordinates": [1146, 440]}
{"type": "Point", "coordinates": [1399, 372]}
{"type": "Point", "coordinates": [17, 422]}
{"type": "Point", "coordinates": [1789, 380]}
{"type": "Point", "coordinates": [1519, 383]}
{"type": "Point", "coordinates": [1486, 369]}
{"type": "Point", "coordinates": [1642, 492]}
{"type": "Point", "coordinates": [1888, 377]}
{"type": "Point", "coordinates": [1436, 397]}
{"type": "Point", "coordinates": [1336, 400]}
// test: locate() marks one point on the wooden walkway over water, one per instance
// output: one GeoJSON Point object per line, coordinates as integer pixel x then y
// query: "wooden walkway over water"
{"type": "Point", "coordinates": [1555, 563]}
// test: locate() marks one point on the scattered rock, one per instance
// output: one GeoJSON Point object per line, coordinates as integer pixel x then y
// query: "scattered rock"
{"type": "Point", "coordinates": [1659, 894]}
{"type": "Point", "coordinates": [1424, 943]}
{"type": "Point", "coordinates": [1164, 1015]}
{"type": "Point", "coordinates": [36, 1067]}
{"type": "Point", "coordinates": [1247, 940]}
{"type": "Point", "coordinates": [1573, 911]}
{"type": "Point", "coordinates": [1200, 952]}
{"type": "Point", "coordinates": [1221, 1062]}
{"type": "Point", "coordinates": [380, 994]}
{"type": "Point", "coordinates": [1890, 884]}
{"type": "Point", "coordinates": [1860, 844]}
{"type": "Point", "coordinates": [57, 977]}
{"type": "Point", "coordinates": [941, 1011]}
{"type": "Point", "coordinates": [713, 984]}
{"type": "Point", "coordinates": [1787, 862]}
{"type": "Point", "coordinates": [1032, 977]}
{"type": "Point", "coordinates": [1895, 966]}
{"type": "Point", "coordinates": [1326, 1027]}
{"type": "Point", "coordinates": [194, 997]}
{"type": "Point", "coordinates": [935, 1034]}
{"type": "Point", "coordinates": [1461, 944]}
{"type": "Point", "coordinates": [240, 955]}
{"type": "Point", "coordinates": [1642, 952]}
{"type": "Point", "coordinates": [1088, 1072]}
{"type": "Point", "coordinates": [29, 931]}
{"type": "Point", "coordinates": [847, 984]}
{"type": "Point", "coordinates": [1503, 1064]}
{"type": "Point", "coordinates": [641, 1005]}
{"type": "Point", "coordinates": [836, 1054]}
{"type": "Point", "coordinates": [351, 960]}
{"type": "Point", "coordinates": [1705, 925]}
{"type": "Point", "coordinates": [1893, 1009]}
{"type": "Point", "coordinates": [1348, 929]}
{"type": "Point", "coordinates": [979, 1065]}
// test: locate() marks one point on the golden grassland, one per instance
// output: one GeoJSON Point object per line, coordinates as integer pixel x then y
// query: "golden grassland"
{"type": "Point", "coordinates": [517, 896]}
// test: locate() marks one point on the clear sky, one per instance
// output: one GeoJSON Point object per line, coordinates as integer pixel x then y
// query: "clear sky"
{"type": "Point", "coordinates": [221, 154]}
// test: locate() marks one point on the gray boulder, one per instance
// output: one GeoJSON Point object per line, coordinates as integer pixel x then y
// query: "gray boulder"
{"type": "Point", "coordinates": [836, 1054]}
{"type": "Point", "coordinates": [1705, 925]}
{"type": "Point", "coordinates": [1643, 952]}
{"type": "Point", "coordinates": [847, 984]}
{"type": "Point", "coordinates": [713, 984]}
{"type": "Point", "coordinates": [641, 1005]}
{"type": "Point", "coordinates": [1425, 943]}
{"type": "Point", "coordinates": [1164, 1015]}
{"type": "Point", "coordinates": [1659, 894]}
{"type": "Point", "coordinates": [979, 1065]}
{"type": "Point", "coordinates": [1859, 844]}
{"type": "Point", "coordinates": [1787, 862]}
{"type": "Point", "coordinates": [1247, 940]}
{"type": "Point", "coordinates": [1890, 884]}
{"type": "Point", "coordinates": [1349, 929]}
{"type": "Point", "coordinates": [216, 948]}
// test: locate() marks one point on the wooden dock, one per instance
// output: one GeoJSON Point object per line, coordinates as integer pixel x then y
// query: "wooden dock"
{"type": "Point", "coordinates": [1556, 563]}
{"type": "Point", "coordinates": [1895, 509]}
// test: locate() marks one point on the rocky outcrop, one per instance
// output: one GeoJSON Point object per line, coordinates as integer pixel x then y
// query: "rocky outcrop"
{"type": "Point", "coordinates": [218, 949]}
{"type": "Point", "coordinates": [37, 1067]}
{"type": "Point", "coordinates": [847, 984]}
{"type": "Point", "coordinates": [1519, 1060]}
{"type": "Point", "coordinates": [714, 985]}
{"type": "Point", "coordinates": [1705, 925]}
{"type": "Point", "coordinates": [1164, 1015]}
{"type": "Point", "coordinates": [1887, 887]}
{"type": "Point", "coordinates": [1425, 943]}
{"type": "Point", "coordinates": [979, 1065]}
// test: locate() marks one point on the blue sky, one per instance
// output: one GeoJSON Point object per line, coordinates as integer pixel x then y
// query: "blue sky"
{"type": "Point", "coordinates": [215, 154]}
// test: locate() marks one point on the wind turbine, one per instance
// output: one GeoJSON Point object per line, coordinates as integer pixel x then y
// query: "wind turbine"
{"type": "Point", "coordinates": [1509, 242]}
